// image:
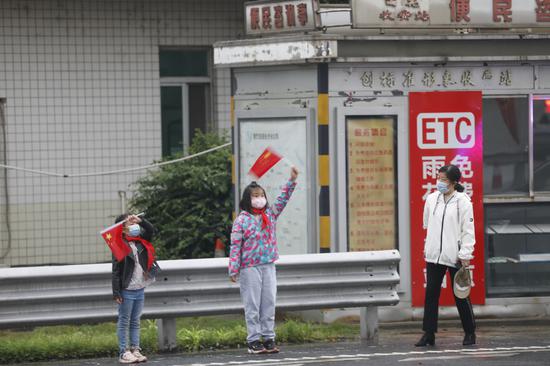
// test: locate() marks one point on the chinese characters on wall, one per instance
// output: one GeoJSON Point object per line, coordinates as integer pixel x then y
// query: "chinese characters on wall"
{"type": "Point", "coordinates": [450, 13]}
{"type": "Point", "coordinates": [404, 11]}
{"type": "Point", "coordinates": [439, 78]}
{"type": "Point", "coordinates": [371, 184]}
{"type": "Point", "coordinates": [280, 16]}
{"type": "Point", "coordinates": [430, 170]}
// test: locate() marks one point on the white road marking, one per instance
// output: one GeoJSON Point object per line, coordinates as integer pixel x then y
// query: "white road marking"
{"type": "Point", "coordinates": [454, 357]}
{"type": "Point", "coordinates": [484, 353]}
{"type": "Point", "coordinates": [443, 355]}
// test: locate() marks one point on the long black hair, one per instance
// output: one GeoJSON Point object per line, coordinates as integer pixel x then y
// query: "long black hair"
{"type": "Point", "coordinates": [453, 173]}
{"type": "Point", "coordinates": [121, 218]}
{"type": "Point", "coordinates": [246, 200]}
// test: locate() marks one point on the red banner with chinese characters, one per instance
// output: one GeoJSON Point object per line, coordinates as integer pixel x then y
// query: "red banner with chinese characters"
{"type": "Point", "coordinates": [445, 128]}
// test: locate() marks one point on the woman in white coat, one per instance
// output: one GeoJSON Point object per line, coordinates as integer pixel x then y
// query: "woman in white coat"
{"type": "Point", "coordinates": [450, 239]}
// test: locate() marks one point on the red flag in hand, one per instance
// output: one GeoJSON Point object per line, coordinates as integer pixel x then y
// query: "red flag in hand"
{"type": "Point", "coordinates": [265, 162]}
{"type": "Point", "coordinates": [113, 238]}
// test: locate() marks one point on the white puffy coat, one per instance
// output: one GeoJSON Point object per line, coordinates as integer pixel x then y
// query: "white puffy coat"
{"type": "Point", "coordinates": [450, 229]}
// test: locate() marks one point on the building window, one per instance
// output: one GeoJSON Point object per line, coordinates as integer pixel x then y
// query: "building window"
{"type": "Point", "coordinates": [183, 63]}
{"type": "Point", "coordinates": [185, 97]}
{"type": "Point", "coordinates": [517, 163]}
{"type": "Point", "coordinates": [506, 146]}
{"type": "Point", "coordinates": [518, 255]}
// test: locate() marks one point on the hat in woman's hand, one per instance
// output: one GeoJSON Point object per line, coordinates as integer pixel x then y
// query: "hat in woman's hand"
{"type": "Point", "coordinates": [462, 283]}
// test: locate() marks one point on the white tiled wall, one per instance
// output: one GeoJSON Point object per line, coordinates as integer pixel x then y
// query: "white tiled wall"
{"type": "Point", "coordinates": [81, 81]}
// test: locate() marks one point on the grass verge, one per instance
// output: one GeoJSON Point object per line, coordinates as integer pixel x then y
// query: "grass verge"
{"type": "Point", "coordinates": [193, 334]}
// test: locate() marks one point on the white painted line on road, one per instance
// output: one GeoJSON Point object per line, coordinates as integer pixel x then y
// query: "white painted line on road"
{"type": "Point", "coordinates": [490, 354]}
{"type": "Point", "coordinates": [454, 357]}
{"type": "Point", "coordinates": [445, 354]}
{"type": "Point", "coordinates": [303, 361]}
{"type": "Point", "coordinates": [483, 353]}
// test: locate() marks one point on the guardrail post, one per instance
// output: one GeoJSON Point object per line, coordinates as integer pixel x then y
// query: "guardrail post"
{"type": "Point", "coordinates": [166, 329]}
{"type": "Point", "coordinates": [369, 324]}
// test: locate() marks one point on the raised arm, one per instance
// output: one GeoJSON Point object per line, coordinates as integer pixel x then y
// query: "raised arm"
{"type": "Point", "coordinates": [148, 230]}
{"type": "Point", "coordinates": [286, 192]}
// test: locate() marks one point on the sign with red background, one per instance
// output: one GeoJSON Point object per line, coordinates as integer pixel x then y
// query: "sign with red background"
{"type": "Point", "coordinates": [445, 128]}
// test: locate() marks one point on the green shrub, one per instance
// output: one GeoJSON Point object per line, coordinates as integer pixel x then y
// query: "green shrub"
{"type": "Point", "coordinates": [190, 202]}
{"type": "Point", "coordinates": [293, 331]}
{"type": "Point", "coordinates": [194, 334]}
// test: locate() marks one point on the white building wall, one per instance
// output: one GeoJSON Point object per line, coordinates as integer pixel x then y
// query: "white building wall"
{"type": "Point", "coordinates": [82, 90]}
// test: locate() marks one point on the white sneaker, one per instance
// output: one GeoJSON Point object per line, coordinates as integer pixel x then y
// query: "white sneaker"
{"type": "Point", "coordinates": [127, 357]}
{"type": "Point", "coordinates": [137, 354]}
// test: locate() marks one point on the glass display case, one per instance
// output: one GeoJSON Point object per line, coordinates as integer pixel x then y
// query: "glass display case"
{"type": "Point", "coordinates": [517, 239]}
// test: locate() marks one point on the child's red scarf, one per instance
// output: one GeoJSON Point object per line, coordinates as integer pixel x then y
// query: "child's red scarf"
{"type": "Point", "coordinates": [265, 219]}
{"type": "Point", "coordinates": [148, 246]}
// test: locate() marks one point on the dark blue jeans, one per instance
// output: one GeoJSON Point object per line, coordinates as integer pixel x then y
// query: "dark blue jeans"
{"type": "Point", "coordinates": [129, 314]}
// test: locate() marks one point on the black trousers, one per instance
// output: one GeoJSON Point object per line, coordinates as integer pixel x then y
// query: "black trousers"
{"type": "Point", "coordinates": [434, 275]}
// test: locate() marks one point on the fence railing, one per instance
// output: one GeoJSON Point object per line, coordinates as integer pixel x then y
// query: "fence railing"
{"type": "Point", "coordinates": [32, 296]}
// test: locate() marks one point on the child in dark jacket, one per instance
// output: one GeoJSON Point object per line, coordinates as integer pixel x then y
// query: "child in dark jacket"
{"type": "Point", "coordinates": [130, 277]}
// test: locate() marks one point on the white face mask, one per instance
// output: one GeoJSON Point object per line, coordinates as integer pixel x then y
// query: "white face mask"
{"type": "Point", "coordinates": [258, 202]}
{"type": "Point", "coordinates": [134, 230]}
{"type": "Point", "coordinates": [442, 187]}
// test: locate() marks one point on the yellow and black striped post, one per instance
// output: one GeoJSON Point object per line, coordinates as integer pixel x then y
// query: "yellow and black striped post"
{"type": "Point", "coordinates": [323, 157]}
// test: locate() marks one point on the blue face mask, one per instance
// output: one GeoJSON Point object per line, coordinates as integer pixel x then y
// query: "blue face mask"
{"type": "Point", "coordinates": [134, 230]}
{"type": "Point", "coordinates": [442, 187]}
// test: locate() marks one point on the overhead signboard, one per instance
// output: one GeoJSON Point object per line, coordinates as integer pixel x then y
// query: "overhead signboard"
{"type": "Point", "coordinates": [266, 17]}
{"type": "Point", "coordinates": [296, 51]}
{"type": "Point", "coordinates": [450, 13]}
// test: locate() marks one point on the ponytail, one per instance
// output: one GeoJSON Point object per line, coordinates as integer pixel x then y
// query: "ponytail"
{"type": "Point", "coordinates": [459, 187]}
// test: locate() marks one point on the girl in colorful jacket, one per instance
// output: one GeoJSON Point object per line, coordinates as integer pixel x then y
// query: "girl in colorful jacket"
{"type": "Point", "coordinates": [251, 261]}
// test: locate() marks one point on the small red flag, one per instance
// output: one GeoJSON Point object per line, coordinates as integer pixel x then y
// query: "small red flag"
{"type": "Point", "coordinates": [113, 238]}
{"type": "Point", "coordinates": [265, 162]}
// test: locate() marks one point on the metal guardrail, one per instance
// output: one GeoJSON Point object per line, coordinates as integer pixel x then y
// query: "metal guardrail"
{"type": "Point", "coordinates": [31, 296]}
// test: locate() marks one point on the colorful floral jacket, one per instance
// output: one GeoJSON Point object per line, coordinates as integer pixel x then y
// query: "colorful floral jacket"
{"type": "Point", "coordinates": [252, 246]}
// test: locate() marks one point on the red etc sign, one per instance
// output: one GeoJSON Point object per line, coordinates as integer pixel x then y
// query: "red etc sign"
{"type": "Point", "coordinates": [446, 128]}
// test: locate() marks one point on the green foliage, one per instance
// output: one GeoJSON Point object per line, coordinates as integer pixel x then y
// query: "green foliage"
{"type": "Point", "coordinates": [193, 334]}
{"type": "Point", "coordinates": [293, 331]}
{"type": "Point", "coordinates": [190, 202]}
{"type": "Point", "coordinates": [66, 342]}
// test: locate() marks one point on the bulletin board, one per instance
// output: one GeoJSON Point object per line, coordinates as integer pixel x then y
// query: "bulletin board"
{"type": "Point", "coordinates": [371, 177]}
{"type": "Point", "coordinates": [287, 137]}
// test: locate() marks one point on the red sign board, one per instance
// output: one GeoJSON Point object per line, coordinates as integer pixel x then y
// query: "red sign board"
{"type": "Point", "coordinates": [445, 128]}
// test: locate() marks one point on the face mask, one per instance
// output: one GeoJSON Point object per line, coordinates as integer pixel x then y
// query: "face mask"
{"type": "Point", "coordinates": [259, 202]}
{"type": "Point", "coordinates": [442, 187]}
{"type": "Point", "coordinates": [134, 230]}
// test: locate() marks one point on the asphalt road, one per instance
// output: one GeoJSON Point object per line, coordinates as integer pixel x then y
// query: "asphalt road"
{"type": "Point", "coordinates": [502, 344]}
